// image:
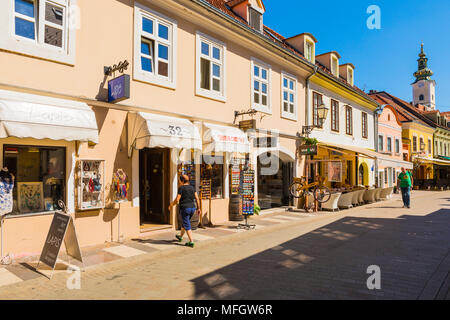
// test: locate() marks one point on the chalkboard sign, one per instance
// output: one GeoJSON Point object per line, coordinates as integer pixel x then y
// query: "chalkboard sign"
{"type": "Point", "coordinates": [61, 229]}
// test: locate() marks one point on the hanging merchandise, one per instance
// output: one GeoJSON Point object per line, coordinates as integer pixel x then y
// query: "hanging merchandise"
{"type": "Point", "coordinates": [90, 179]}
{"type": "Point", "coordinates": [247, 192]}
{"type": "Point", "coordinates": [120, 186]}
{"type": "Point", "coordinates": [187, 168]}
{"type": "Point", "coordinates": [6, 192]}
{"type": "Point", "coordinates": [205, 182]}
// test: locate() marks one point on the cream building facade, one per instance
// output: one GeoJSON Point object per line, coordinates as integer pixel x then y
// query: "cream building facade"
{"type": "Point", "coordinates": [192, 64]}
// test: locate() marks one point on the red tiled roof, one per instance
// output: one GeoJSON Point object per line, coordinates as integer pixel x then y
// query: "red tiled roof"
{"type": "Point", "coordinates": [274, 36]}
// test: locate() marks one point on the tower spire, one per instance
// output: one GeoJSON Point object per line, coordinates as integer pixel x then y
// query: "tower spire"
{"type": "Point", "coordinates": [423, 72]}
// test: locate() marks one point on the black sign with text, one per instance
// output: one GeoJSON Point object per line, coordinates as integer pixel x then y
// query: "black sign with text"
{"type": "Point", "coordinates": [54, 239]}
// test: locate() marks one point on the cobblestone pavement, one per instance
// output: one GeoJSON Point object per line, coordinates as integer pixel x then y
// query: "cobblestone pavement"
{"type": "Point", "coordinates": [288, 256]}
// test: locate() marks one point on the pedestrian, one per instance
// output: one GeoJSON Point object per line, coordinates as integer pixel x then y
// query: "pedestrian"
{"type": "Point", "coordinates": [188, 200]}
{"type": "Point", "coordinates": [405, 183]}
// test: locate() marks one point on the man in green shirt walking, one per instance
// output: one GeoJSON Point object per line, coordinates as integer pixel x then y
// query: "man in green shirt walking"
{"type": "Point", "coordinates": [405, 183]}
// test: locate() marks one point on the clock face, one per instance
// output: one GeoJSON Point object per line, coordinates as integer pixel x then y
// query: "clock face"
{"type": "Point", "coordinates": [421, 85]}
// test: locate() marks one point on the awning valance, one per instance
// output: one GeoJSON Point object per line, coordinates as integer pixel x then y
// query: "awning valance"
{"type": "Point", "coordinates": [386, 161]}
{"type": "Point", "coordinates": [147, 130]}
{"type": "Point", "coordinates": [217, 138]}
{"type": "Point", "coordinates": [366, 152]}
{"type": "Point", "coordinates": [25, 115]}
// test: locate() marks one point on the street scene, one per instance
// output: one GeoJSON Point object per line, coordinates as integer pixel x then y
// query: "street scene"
{"type": "Point", "coordinates": [210, 150]}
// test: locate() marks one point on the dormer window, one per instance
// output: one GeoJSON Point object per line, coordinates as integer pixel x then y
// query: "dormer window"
{"type": "Point", "coordinates": [309, 50]}
{"type": "Point", "coordinates": [350, 76]}
{"type": "Point", "coordinates": [335, 66]}
{"type": "Point", "coordinates": [255, 19]}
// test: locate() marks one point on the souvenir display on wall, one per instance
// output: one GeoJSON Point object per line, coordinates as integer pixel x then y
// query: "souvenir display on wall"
{"type": "Point", "coordinates": [235, 178]}
{"type": "Point", "coordinates": [91, 190]}
{"type": "Point", "coordinates": [120, 186]}
{"type": "Point", "coordinates": [6, 192]}
{"type": "Point", "coordinates": [248, 191]}
{"type": "Point", "coordinates": [205, 182]}
{"type": "Point", "coordinates": [30, 196]}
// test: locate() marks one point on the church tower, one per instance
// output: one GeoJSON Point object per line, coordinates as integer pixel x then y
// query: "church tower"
{"type": "Point", "coordinates": [424, 89]}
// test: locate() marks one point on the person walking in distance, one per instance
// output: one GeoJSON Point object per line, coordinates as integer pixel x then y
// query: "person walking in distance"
{"type": "Point", "coordinates": [405, 182]}
{"type": "Point", "coordinates": [188, 200]}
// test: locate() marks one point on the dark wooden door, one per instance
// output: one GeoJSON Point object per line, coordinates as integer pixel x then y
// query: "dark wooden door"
{"type": "Point", "coordinates": [152, 186]}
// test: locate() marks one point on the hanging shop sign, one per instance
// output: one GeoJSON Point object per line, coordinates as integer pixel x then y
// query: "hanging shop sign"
{"type": "Point", "coordinates": [91, 184]}
{"type": "Point", "coordinates": [119, 89]}
{"type": "Point", "coordinates": [61, 230]}
{"type": "Point", "coordinates": [308, 150]}
{"type": "Point", "coordinates": [266, 142]}
{"type": "Point", "coordinates": [247, 125]}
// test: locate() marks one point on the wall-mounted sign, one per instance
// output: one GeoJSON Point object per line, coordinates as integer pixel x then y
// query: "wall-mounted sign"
{"type": "Point", "coordinates": [247, 124]}
{"type": "Point", "coordinates": [119, 88]}
{"type": "Point", "coordinates": [266, 142]}
{"type": "Point", "coordinates": [307, 150]}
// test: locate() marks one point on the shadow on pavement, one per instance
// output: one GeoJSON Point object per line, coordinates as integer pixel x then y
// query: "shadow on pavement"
{"type": "Point", "coordinates": [331, 262]}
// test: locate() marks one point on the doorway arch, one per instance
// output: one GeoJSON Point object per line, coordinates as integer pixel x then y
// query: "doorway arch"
{"type": "Point", "coordinates": [363, 174]}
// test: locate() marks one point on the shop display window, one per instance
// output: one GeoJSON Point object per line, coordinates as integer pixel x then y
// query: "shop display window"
{"type": "Point", "coordinates": [90, 182]}
{"type": "Point", "coordinates": [39, 177]}
{"type": "Point", "coordinates": [214, 174]}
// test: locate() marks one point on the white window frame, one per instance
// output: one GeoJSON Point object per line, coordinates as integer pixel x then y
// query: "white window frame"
{"type": "Point", "coordinates": [140, 12]}
{"type": "Point", "coordinates": [38, 48]}
{"type": "Point", "coordinates": [258, 106]}
{"type": "Point", "coordinates": [311, 44]}
{"type": "Point", "coordinates": [211, 94]}
{"type": "Point", "coordinates": [287, 114]}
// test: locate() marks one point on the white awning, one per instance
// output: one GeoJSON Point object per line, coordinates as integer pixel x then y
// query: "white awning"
{"type": "Point", "coordinates": [218, 138]}
{"type": "Point", "coordinates": [147, 130]}
{"type": "Point", "coordinates": [384, 161]}
{"type": "Point", "coordinates": [24, 115]}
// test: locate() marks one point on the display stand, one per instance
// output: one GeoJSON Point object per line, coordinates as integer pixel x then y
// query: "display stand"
{"type": "Point", "coordinates": [205, 191]}
{"type": "Point", "coordinates": [247, 187]}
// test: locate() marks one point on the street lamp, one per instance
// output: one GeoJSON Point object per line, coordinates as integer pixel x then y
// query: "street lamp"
{"type": "Point", "coordinates": [322, 114]}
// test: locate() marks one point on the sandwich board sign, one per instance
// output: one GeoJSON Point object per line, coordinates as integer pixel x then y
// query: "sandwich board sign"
{"type": "Point", "coordinates": [61, 230]}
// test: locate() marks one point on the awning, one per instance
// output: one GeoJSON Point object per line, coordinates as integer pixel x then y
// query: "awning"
{"type": "Point", "coordinates": [386, 161]}
{"type": "Point", "coordinates": [147, 130]}
{"type": "Point", "coordinates": [368, 153]}
{"type": "Point", "coordinates": [218, 138]}
{"type": "Point", "coordinates": [24, 115]}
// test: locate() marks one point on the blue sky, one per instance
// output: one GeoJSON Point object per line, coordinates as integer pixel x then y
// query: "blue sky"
{"type": "Point", "coordinates": [385, 59]}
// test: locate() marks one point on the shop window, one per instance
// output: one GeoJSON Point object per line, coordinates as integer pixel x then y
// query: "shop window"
{"type": "Point", "coordinates": [386, 176]}
{"type": "Point", "coordinates": [289, 97]}
{"type": "Point", "coordinates": [210, 67]}
{"type": "Point", "coordinates": [39, 28]}
{"type": "Point", "coordinates": [154, 47]}
{"type": "Point", "coordinates": [40, 177]}
{"type": "Point", "coordinates": [211, 176]}
{"type": "Point", "coordinates": [261, 86]}
{"type": "Point", "coordinates": [334, 115]}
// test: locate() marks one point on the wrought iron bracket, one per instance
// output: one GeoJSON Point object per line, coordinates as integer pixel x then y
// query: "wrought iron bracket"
{"type": "Point", "coordinates": [121, 67]}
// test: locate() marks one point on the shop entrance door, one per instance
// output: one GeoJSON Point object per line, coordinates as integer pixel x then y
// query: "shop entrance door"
{"type": "Point", "coordinates": [153, 186]}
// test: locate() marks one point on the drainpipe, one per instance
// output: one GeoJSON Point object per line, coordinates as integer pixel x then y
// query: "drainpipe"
{"type": "Point", "coordinates": [307, 105]}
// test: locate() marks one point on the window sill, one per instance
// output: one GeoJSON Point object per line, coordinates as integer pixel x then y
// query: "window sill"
{"type": "Point", "coordinates": [210, 95]}
{"type": "Point", "coordinates": [259, 108]}
{"type": "Point", "coordinates": [34, 214]}
{"type": "Point", "coordinates": [289, 116]}
{"type": "Point", "coordinates": [36, 50]}
{"type": "Point", "coordinates": [154, 80]}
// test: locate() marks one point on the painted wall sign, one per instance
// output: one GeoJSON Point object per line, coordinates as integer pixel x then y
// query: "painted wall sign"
{"type": "Point", "coordinates": [119, 89]}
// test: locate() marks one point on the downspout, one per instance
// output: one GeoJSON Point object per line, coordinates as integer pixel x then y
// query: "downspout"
{"type": "Point", "coordinates": [307, 105]}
